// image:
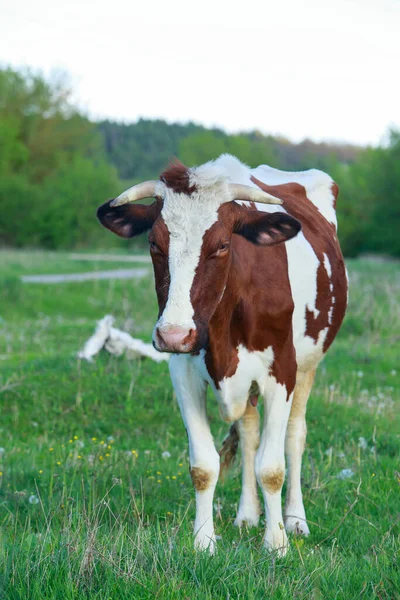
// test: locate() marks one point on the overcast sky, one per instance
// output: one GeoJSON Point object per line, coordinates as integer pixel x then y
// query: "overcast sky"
{"type": "Point", "coordinates": [311, 68]}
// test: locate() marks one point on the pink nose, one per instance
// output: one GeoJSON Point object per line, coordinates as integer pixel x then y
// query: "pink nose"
{"type": "Point", "coordinates": [172, 338]}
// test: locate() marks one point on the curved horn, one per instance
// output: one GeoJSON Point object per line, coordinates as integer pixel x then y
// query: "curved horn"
{"type": "Point", "coordinates": [146, 189]}
{"type": "Point", "coordinates": [245, 192]}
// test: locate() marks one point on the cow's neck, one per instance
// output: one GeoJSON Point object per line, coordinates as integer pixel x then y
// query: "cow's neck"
{"type": "Point", "coordinates": [226, 331]}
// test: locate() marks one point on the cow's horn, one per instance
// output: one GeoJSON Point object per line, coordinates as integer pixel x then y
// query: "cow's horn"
{"type": "Point", "coordinates": [245, 192]}
{"type": "Point", "coordinates": [146, 189]}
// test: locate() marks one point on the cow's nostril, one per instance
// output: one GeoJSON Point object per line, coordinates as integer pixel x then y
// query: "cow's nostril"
{"type": "Point", "coordinates": [158, 334]}
{"type": "Point", "coordinates": [190, 337]}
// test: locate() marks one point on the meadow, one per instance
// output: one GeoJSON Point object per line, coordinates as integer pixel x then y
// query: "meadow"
{"type": "Point", "coordinates": [96, 500]}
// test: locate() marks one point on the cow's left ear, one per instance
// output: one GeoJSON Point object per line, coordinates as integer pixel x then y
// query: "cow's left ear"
{"type": "Point", "coordinates": [266, 229]}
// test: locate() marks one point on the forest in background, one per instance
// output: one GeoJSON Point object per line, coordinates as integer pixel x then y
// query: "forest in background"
{"type": "Point", "coordinates": [56, 167]}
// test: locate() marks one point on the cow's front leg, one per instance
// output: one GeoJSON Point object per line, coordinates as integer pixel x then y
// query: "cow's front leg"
{"type": "Point", "coordinates": [190, 389]}
{"type": "Point", "coordinates": [270, 463]}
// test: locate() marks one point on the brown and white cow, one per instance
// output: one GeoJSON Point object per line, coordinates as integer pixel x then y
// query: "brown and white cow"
{"type": "Point", "coordinates": [252, 290]}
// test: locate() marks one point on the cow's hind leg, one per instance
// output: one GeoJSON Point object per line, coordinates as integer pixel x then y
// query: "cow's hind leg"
{"type": "Point", "coordinates": [249, 434]}
{"type": "Point", "coordinates": [204, 459]}
{"type": "Point", "coordinates": [295, 516]}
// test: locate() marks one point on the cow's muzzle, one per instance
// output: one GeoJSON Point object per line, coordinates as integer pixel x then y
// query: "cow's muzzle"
{"type": "Point", "coordinates": [172, 338]}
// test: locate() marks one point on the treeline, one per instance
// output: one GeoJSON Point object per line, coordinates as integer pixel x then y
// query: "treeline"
{"type": "Point", "coordinates": [56, 167]}
{"type": "Point", "coordinates": [142, 149]}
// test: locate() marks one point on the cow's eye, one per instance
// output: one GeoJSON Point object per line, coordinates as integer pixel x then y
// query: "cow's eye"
{"type": "Point", "coordinates": [220, 250]}
{"type": "Point", "coordinates": [153, 246]}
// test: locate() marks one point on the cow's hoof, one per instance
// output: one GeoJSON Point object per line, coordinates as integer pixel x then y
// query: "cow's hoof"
{"type": "Point", "coordinates": [296, 526]}
{"type": "Point", "coordinates": [205, 543]}
{"type": "Point", "coordinates": [247, 516]}
{"type": "Point", "coordinates": [277, 542]}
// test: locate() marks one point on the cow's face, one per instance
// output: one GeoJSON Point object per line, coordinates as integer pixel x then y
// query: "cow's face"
{"type": "Point", "coordinates": [190, 237]}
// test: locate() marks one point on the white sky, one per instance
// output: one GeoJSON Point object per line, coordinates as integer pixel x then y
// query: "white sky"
{"type": "Point", "coordinates": [325, 69]}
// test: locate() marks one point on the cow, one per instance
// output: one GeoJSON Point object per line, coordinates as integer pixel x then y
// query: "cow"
{"type": "Point", "coordinates": [252, 290]}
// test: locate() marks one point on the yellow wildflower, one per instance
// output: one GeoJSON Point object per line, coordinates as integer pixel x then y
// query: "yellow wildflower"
{"type": "Point", "coordinates": [51, 449]}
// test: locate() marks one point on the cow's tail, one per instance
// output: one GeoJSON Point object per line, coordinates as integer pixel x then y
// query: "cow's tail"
{"type": "Point", "coordinates": [229, 450]}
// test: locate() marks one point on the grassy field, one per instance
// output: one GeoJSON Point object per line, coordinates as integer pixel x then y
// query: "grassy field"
{"type": "Point", "coordinates": [95, 496]}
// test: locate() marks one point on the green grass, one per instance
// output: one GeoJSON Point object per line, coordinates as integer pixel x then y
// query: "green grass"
{"type": "Point", "coordinates": [89, 508]}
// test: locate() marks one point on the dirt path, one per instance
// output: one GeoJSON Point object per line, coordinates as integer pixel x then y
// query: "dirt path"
{"type": "Point", "coordinates": [113, 274]}
{"type": "Point", "coordinates": [141, 258]}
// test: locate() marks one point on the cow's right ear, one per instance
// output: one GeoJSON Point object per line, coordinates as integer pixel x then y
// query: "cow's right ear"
{"type": "Point", "coordinates": [129, 220]}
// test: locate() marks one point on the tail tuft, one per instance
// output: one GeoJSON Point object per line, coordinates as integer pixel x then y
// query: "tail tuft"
{"type": "Point", "coordinates": [229, 450]}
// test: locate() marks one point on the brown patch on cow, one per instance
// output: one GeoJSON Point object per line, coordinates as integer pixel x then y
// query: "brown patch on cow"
{"type": "Point", "coordinates": [256, 308]}
{"type": "Point", "coordinates": [176, 177]}
{"type": "Point", "coordinates": [335, 192]}
{"type": "Point", "coordinates": [159, 255]}
{"type": "Point", "coordinates": [272, 480]}
{"type": "Point", "coordinates": [321, 234]}
{"type": "Point", "coordinates": [201, 479]}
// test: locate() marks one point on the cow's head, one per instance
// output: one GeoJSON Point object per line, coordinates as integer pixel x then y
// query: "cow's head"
{"type": "Point", "coordinates": [190, 226]}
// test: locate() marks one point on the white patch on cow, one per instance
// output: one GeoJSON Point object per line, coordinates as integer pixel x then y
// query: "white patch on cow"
{"type": "Point", "coordinates": [233, 391]}
{"type": "Point", "coordinates": [303, 266]}
{"type": "Point", "coordinates": [187, 219]}
{"type": "Point", "coordinates": [318, 186]}
{"type": "Point", "coordinates": [233, 169]}
{"type": "Point", "coordinates": [330, 313]}
{"type": "Point", "coordinates": [333, 300]}
{"type": "Point", "coordinates": [327, 265]}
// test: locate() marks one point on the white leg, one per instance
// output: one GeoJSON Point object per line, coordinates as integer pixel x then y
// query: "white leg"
{"type": "Point", "coordinates": [249, 434]}
{"type": "Point", "coordinates": [270, 463]}
{"type": "Point", "coordinates": [295, 516]}
{"type": "Point", "coordinates": [204, 459]}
